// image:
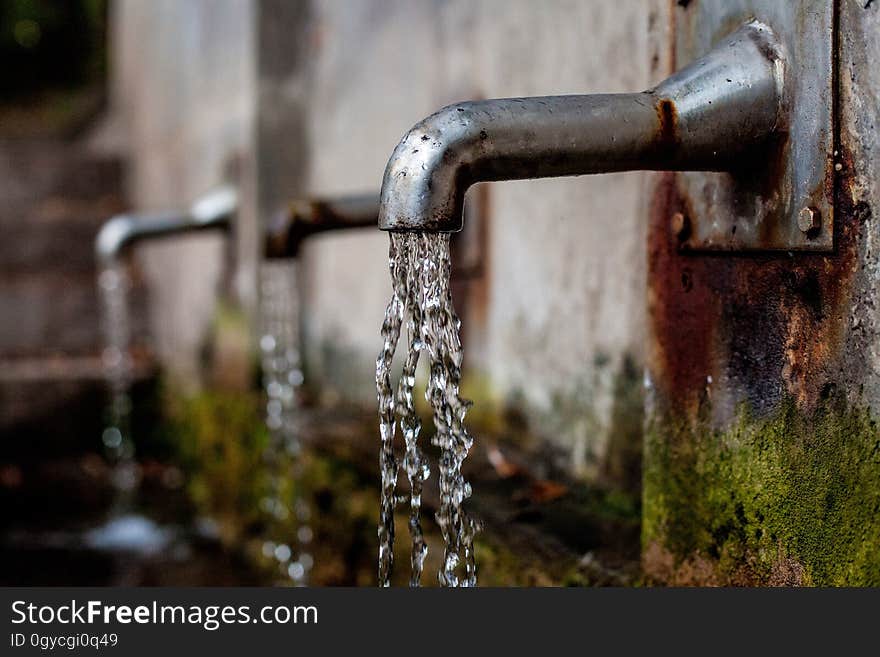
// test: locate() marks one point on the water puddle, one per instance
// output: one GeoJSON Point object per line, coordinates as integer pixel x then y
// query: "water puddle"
{"type": "Point", "coordinates": [421, 302]}
{"type": "Point", "coordinates": [130, 533]}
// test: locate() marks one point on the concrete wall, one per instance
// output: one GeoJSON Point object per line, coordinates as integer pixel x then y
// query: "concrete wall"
{"type": "Point", "coordinates": [565, 257]}
{"type": "Point", "coordinates": [338, 83]}
{"type": "Point", "coordinates": [183, 80]}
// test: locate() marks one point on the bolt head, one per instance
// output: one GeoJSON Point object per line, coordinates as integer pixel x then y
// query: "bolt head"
{"type": "Point", "coordinates": [679, 223]}
{"type": "Point", "coordinates": [809, 219]}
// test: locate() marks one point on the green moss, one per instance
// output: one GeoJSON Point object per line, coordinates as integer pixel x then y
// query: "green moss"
{"type": "Point", "coordinates": [221, 437]}
{"type": "Point", "coordinates": [485, 416]}
{"type": "Point", "coordinates": [497, 565]}
{"type": "Point", "coordinates": [802, 491]}
{"type": "Point", "coordinates": [222, 440]}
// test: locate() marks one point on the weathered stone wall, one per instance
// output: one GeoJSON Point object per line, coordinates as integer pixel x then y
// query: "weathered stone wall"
{"type": "Point", "coordinates": [183, 80]}
{"type": "Point", "coordinates": [763, 455]}
{"type": "Point", "coordinates": [559, 322]}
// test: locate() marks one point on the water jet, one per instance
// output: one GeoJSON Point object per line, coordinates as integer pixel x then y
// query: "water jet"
{"type": "Point", "coordinates": [282, 368]}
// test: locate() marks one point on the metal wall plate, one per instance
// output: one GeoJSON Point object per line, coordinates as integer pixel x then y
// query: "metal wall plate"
{"type": "Point", "coordinates": [758, 208]}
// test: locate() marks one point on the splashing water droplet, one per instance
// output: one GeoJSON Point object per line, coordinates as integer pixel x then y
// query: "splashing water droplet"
{"type": "Point", "coordinates": [112, 438]}
{"type": "Point", "coordinates": [283, 552]}
{"type": "Point", "coordinates": [296, 571]}
{"type": "Point", "coordinates": [304, 534]}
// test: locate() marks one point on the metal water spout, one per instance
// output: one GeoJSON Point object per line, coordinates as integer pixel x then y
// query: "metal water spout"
{"type": "Point", "coordinates": [304, 218]}
{"type": "Point", "coordinates": [714, 115]}
{"type": "Point", "coordinates": [213, 211]}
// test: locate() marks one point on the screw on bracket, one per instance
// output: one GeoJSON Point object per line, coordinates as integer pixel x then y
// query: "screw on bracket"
{"type": "Point", "coordinates": [680, 225]}
{"type": "Point", "coordinates": [809, 219]}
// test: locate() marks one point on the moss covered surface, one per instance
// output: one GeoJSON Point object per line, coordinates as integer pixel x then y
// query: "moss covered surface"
{"type": "Point", "coordinates": [784, 500]}
{"type": "Point", "coordinates": [223, 441]}
{"type": "Point", "coordinates": [221, 438]}
{"type": "Point", "coordinates": [527, 540]}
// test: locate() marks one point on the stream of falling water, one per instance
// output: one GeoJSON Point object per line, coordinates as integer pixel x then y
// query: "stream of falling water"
{"type": "Point", "coordinates": [113, 287]}
{"type": "Point", "coordinates": [282, 377]}
{"type": "Point", "coordinates": [422, 302]}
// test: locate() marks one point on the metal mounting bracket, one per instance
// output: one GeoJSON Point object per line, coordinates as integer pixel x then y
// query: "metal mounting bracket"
{"type": "Point", "coordinates": [785, 202]}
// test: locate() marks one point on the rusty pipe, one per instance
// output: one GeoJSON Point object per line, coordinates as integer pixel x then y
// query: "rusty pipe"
{"type": "Point", "coordinates": [213, 211]}
{"type": "Point", "coordinates": [303, 218]}
{"type": "Point", "coordinates": [710, 116]}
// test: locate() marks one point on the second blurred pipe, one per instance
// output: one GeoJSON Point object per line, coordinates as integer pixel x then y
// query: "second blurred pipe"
{"type": "Point", "coordinates": [303, 218]}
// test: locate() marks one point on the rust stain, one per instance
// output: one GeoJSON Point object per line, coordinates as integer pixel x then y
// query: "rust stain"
{"type": "Point", "coordinates": [682, 307]}
{"type": "Point", "coordinates": [771, 324]}
{"type": "Point", "coordinates": [667, 125]}
{"type": "Point", "coordinates": [470, 276]}
{"type": "Point", "coordinates": [481, 286]}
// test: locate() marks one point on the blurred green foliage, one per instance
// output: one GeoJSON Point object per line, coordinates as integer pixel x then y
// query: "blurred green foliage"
{"type": "Point", "coordinates": [222, 439]}
{"type": "Point", "coordinates": [224, 450]}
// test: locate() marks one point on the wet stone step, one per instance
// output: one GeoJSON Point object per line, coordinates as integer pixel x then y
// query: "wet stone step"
{"type": "Point", "coordinates": [57, 313]}
{"type": "Point", "coordinates": [34, 246]}
{"type": "Point", "coordinates": [31, 171]}
{"type": "Point", "coordinates": [55, 406]}
{"type": "Point", "coordinates": [49, 312]}
{"type": "Point", "coordinates": [45, 416]}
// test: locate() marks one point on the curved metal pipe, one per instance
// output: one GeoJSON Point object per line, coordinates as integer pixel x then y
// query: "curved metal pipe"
{"type": "Point", "coordinates": [309, 217]}
{"type": "Point", "coordinates": [212, 211]}
{"type": "Point", "coordinates": [708, 116]}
